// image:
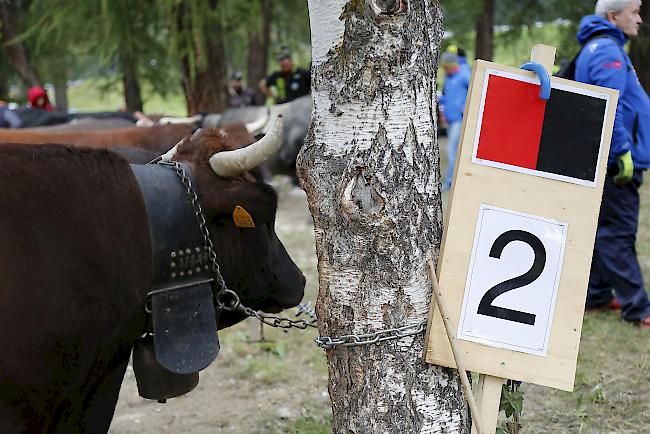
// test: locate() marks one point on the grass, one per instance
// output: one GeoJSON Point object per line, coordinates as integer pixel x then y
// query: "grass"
{"type": "Point", "coordinates": [87, 96]}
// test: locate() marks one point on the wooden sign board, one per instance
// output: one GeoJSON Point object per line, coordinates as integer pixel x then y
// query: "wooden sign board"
{"type": "Point", "coordinates": [522, 218]}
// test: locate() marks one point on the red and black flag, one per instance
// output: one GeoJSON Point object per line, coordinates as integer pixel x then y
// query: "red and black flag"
{"type": "Point", "coordinates": [557, 138]}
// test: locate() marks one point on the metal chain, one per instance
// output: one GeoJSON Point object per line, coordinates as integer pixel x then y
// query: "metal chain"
{"type": "Point", "coordinates": [228, 300]}
{"type": "Point", "coordinates": [276, 321]}
{"type": "Point", "coordinates": [371, 338]}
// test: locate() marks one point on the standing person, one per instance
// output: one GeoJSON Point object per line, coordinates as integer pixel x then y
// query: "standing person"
{"type": "Point", "coordinates": [452, 104]}
{"type": "Point", "coordinates": [604, 62]}
{"type": "Point", "coordinates": [8, 119]}
{"type": "Point", "coordinates": [239, 96]}
{"type": "Point", "coordinates": [462, 57]}
{"type": "Point", "coordinates": [289, 83]}
{"type": "Point", "coordinates": [38, 99]}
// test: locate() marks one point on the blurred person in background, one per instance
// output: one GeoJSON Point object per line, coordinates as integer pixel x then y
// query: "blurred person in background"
{"type": "Point", "coordinates": [452, 105]}
{"type": "Point", "coordinates": [288, 83]}
{"type": "Point", "coordinates": [239, 96]}
{"type": "Point", "coordinates": [8, 118]}
{"type": "Point", "coordinates": [38, 99]}
{"type": "Point", "coordinates": [603, 61]}
{"type": "Point", "coordinates": [462, 57]}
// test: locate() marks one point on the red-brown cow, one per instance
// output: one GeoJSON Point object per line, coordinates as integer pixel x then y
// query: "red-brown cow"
{"type": "Point", "coordinates": [159, 138]}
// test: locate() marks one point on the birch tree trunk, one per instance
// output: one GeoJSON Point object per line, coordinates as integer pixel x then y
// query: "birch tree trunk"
{"type": "Point", "coordinates": [370, 167]}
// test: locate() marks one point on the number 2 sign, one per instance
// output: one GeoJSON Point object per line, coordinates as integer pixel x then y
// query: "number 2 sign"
{"type": "Point", "coordinates": [515, 257]}
{"type": "Point", "coordinates": [512, 281]}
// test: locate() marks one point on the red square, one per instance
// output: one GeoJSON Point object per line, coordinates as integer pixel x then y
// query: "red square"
{"type": "Point", "coordinates": [513, 115]}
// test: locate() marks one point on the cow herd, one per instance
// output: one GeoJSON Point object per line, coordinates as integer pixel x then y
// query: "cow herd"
{"type": "Point", "coordinates": [77, 256]}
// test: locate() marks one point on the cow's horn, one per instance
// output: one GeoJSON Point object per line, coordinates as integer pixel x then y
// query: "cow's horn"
{"type": "Point", "coordinates": [256, 127]}
{"type": "Point", "coordinates": [233, 163]}
{"type": "Point", "coordinates": [167, 156]}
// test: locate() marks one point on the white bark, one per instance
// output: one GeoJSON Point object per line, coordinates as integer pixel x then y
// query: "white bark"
{"type": "Point", "coordinates": [370, 168]}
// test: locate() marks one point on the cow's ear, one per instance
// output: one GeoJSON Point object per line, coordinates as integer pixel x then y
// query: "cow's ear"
{"type": "Point", "coordinates": [242, 218]}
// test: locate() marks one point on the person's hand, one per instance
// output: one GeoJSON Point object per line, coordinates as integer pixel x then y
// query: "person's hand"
{"type": "Point", "coordinates": [625, 169]}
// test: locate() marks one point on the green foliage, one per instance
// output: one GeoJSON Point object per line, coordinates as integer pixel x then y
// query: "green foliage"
{"type": "Point", "coordinates": [100, 37]}
{"type": "Point", "coordinates": [512, 403]}
{"type": "Point", "coordinates": [519, 21]}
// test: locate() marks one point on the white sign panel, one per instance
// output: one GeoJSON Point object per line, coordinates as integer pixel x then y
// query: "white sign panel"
{"type": "Point", "coordinates": [512, 281]}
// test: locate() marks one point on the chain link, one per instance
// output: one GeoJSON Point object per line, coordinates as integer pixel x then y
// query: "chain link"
{"type": "Point", "coordinates": [277, 321]}
{"type": "Point", "coordinates": [328, 342]}
{"type": "Point", "coordinates": [233, 303]}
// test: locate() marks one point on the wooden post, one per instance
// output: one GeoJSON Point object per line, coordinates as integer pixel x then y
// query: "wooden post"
{"type": "Point", "coordinates": [488, 397]}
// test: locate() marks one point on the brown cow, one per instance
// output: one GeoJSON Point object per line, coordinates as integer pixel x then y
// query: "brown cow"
{"type": "Point", "coordinates": [158, 138]}
{"type": "Point", "coordinates": [75, 269]}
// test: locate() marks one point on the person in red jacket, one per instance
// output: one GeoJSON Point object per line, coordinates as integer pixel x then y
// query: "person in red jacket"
{"type": "Point", "coordinates": [38, 98]}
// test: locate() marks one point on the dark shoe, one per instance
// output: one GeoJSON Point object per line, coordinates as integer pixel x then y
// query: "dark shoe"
{"type": "Point", "coordinates": [614, 305]}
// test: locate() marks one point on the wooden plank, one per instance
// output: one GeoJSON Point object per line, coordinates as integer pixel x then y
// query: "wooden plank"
{"type": "Point", "coordinates": [488, 398]}
{"type": "Point", "coordinates": [545, 56]}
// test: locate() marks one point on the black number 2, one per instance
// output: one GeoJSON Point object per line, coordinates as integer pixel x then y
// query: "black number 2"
{"type": "Point", "coordinates": [485, 307]}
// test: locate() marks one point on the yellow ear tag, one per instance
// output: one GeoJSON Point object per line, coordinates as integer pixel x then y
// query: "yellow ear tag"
{"type": "Point", "coordinates": [242, 218]}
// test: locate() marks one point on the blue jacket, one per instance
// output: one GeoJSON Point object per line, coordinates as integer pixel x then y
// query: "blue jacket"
{"type": "Point", "coordinates": [454, 94]}
{"type": "Point", "coordinates": [604, 62]}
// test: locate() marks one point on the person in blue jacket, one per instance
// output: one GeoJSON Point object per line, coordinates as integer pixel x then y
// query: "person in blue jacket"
{"type": "Point", "coordinates": [8, 119]}
{"type": "Point", "coordinates": [603, 61]}
{"type": "Point", "coordinates": [452, 105]}
{"type": "Point", "coordinates": [462, 57]}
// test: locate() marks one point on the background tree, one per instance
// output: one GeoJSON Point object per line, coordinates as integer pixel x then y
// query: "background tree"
{"type": "Point", "coordinates": [124, 41]}
{"type": "Point", "coordinates": [6, 76]}
{"type": "Point", "coordinates": [259, 41]}
{"type": "Point", "coordinates": [198, 44]}
{"type": "Point", "coordinates": [485, 31]}
{"type": "Point", "coordinates": [640, 48]}
{"type": "Point", "coordinates": [370, 167]}
{"type": "Point", "coordinates": [12, 16]}
{"type": "Point", "coordinates": [248, 26]}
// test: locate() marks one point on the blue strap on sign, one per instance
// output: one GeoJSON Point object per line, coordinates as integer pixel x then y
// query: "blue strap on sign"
{"type": "Point", "coordinates": [544, 79]}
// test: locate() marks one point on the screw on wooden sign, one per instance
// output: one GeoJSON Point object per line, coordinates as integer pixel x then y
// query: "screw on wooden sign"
{"type": "Point", "coordinates": [242, 218]}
